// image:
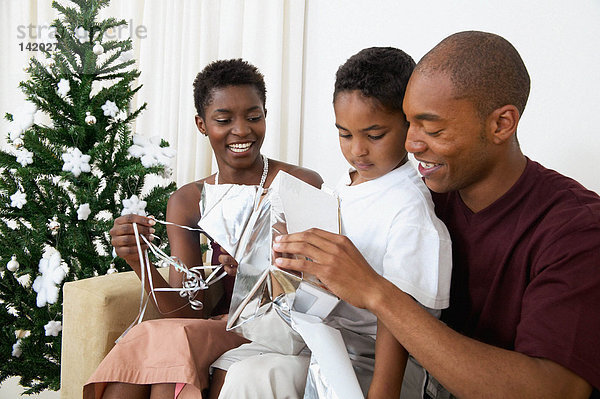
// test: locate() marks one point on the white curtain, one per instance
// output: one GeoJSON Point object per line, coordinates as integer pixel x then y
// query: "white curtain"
{"type": "Point", "coordinates": [173, 41]}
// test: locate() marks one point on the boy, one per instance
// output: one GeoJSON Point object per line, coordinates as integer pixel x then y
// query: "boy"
{"type": "Point", "coordinates": [387, 212]}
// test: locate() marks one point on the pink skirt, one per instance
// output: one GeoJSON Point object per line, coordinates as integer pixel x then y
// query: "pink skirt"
{"type": "Point", "coordinates": [178, 351]}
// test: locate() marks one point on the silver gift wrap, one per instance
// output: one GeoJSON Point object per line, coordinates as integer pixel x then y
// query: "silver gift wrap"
{"type": "Point", "coordinates": [316, 383]}
{"type": "Point", "coordinates": [226, 210]}
{"type": "Point", "coordinates": [244, 225]}
{"type": "Point", "coordinates": [245, 222]}
{"type": "Point", "coordinates": [263, 294]}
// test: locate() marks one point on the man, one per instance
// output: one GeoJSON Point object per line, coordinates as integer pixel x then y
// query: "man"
{"type": "Point", "coordinates": [524, 319]}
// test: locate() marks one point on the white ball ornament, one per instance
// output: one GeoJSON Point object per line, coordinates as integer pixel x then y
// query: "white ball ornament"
{"type": "Point", "coordinates": [12, 264]}
{"type": "Point", "coordinates": [98, 49]}
{"type": "Point", "coordinates": [54, 225]}
{"type": "Point", "coordinates": [112, 269]}
{"type": "Point", "coordinates": [90, 119]}
{"type": "Point", "coordinates": [18, 142]}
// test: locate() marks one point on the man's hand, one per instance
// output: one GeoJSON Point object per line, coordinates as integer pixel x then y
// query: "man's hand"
{"type": "Point", "coordinates": [335, 261]}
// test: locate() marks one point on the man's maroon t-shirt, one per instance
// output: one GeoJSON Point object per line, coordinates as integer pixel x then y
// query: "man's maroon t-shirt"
{"type": "Point", "coordinates": [526, 270]}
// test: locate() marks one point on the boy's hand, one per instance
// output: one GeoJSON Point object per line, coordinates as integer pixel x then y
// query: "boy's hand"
{"type": "Point", "coordinates": [334, 260]}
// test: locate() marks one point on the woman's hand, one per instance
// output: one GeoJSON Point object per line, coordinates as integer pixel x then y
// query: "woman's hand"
{"type": "Point", "coordinates": [123, 237]}
{"type": "Point", "coordinates": [229, 263]}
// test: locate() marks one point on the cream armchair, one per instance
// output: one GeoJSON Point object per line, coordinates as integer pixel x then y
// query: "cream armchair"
{"type": "Point", "coordinates": [96, 311]}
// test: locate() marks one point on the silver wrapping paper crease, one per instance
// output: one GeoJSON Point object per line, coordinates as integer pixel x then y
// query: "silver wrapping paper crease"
{"type": "Point", "coordinates": [226, 210]}
{"type": "Point", "coordinates": [245, 223]}
{"type": "Point", "coordinates": [316, 383]}
{"type": "Point", "coordinates": [331, 373]}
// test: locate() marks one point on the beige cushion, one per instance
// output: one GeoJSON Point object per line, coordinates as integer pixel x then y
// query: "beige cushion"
{"type": "Point", "coordinates": [96, 311]}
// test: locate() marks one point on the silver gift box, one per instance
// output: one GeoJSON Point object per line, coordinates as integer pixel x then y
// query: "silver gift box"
{"type": "Point", "coordinates": [244, 221]}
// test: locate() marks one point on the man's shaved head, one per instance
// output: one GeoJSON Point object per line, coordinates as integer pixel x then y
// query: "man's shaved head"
{"type": "Point", "coordinates": [483, 67]}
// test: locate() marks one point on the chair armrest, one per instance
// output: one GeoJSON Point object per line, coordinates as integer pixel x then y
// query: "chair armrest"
{"type": "Point", "coordinates": [96, 311]}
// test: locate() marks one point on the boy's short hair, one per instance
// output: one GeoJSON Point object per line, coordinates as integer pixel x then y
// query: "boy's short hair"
{"type": "Point", "coordinates": [223, 73]}
{"type": "Point", "coordinates": [381, 73]}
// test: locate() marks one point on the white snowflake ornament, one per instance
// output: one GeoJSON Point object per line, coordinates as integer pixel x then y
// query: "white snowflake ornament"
{"type": "Point", "coordinates": [24, 157]}
{"type": "Point", "coordinates": [63, 87]}
{"type": "Point", "coordinates": [76, 162]}
{"type": "Point", "coordinates": [110, 109]}
{"type": "Point", "coordinates": [83, 212]}
{"type": "Point", "coordinates": [134, 205]}
{"type": "Point", "coordinates": [23, 119]}
{"type": "Point", "coordinates": [52, 328]}
{"type": "Point", "coordinates": [12, 264]}
{"type": "Point", "coordinates": [52, 274]}
{"type": "Point", "coordinates": [150, 152]}
{"type": "Point", "coordinates": [90, 119]}
{"type": "Point", "coordinates": [82, 35]}
{"type": "Point", "coordinates": [98, 49]}
{"type": "Point", "coordinates": [18, 199]}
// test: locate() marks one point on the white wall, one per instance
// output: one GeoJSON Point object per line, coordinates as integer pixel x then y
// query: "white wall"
{"type": "Point", "coordinates": [558, 41]}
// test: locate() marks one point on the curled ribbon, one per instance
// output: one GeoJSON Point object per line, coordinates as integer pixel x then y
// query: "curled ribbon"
{"type": "Point", "coordinates": [193, 280]}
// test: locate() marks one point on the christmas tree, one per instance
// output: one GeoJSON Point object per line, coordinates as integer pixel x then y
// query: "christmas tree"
{"type": "Point", "coordinates": [63, 182]}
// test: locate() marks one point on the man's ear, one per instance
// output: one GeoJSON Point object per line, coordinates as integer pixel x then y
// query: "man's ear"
{"type": "Point", "coordinates": [200, 124]}
{"type": "Point", "coordinates": [265, 112]}
{"type": "Point", "coordinates": [503, 123]}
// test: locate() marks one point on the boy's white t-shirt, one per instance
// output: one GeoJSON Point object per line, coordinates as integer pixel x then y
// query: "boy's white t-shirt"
{"type": "Point", "coordinates": [391, 221]}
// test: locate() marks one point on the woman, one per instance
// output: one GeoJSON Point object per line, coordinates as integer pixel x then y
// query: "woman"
{"type": "Point", "coordinates": [171, 357]}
